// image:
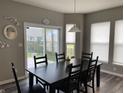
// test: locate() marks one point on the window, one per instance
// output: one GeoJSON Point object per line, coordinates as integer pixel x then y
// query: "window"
{"type": "Point", "coordinates": [100, 40]}
{"type": "Point", "coordinates": [70, 41]}
{"type": "Point", "coordinates": [118, 42]}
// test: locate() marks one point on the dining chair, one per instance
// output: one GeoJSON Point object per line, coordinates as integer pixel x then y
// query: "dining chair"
{"type": "Point", "coordinates": [72, 81]}
{"type": "Point", "coordinates": [35, 89]}
{"type": "Point", "coordinates": [87, 55]}
{"type": "Point", "coordinates": [60, 57]}
{"type": "Point", "coordinates": [88, 76]}
{"type": "Point", "coordinates": [40, 61]}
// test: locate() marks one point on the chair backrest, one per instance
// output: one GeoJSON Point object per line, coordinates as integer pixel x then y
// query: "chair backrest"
{"type": "Point", "coordinates": [74, 74]}
{"type": "Point", "coordinates": [60, 57]}
{"type": "Point", "coordinates": [87, 55]}
{"type": "Point", "coordinates": [39, 60]}
{"type": "Point", "coordinates": [15, 76]}
{"type": "Point", "coordinates": [91, 69]}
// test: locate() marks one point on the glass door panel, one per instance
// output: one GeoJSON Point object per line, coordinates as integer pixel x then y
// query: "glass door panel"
{"type": "Point", "coordinates": [56, 40]}
{"type": "Point", "coordinates": [52, 43]}
{"type": "Point", "coordinates": [35, 44]}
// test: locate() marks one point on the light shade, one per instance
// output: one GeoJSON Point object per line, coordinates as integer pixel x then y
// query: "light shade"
{"type": "Point", "coordinates": [74, 29]}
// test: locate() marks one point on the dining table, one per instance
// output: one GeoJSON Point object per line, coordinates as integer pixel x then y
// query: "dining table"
{"type": "Point", "coordinates": [54, 72]}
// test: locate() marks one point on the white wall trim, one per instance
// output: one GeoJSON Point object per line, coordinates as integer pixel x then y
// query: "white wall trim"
{"type": "Point", "coordinates": [113, 73]}
{"type": "Point", "coordinates": [11, 80]}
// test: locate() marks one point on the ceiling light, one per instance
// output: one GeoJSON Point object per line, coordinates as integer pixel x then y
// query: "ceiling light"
{"type": "Point", "coordinates": [74, 28]}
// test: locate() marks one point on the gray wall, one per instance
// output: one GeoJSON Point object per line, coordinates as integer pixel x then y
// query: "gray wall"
{"type": "Point", "coordinates": [106, 15]}
{"type": "Point", "coordinates": [24, 13]}
{"type": "Point", "coordinates": [77, 19]}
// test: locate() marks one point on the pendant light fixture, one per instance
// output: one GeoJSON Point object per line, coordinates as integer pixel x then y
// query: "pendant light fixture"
{"type": "Point", "coordinates": [74, 28]}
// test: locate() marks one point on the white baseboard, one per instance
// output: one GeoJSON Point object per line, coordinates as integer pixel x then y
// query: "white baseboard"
{"type": "Point", "coordinates": [116, 74]}
{"type": "Point", "coordinates": [11, 80]}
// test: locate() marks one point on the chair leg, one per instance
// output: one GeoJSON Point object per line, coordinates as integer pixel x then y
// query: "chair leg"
{"type": "Point", "coordinates": [44, 86]}
{"type": "Point", "coordinates": [85, 85]}
{"type": "Point", "coordinates": [93, 86]}
{"type": "Point", "coordinates": [47, 87]}
{"type": "Point", "coordinates": [57, 91]}
{"type": "Point", "coordinates": [78, 90]}
{"type": "Point", "coordinates": [36, 80]}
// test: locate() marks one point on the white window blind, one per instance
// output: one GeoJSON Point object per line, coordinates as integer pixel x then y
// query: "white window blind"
{"type": "Point", "coordinates": [118, 42]}
{"type": "Point", "coordinates": [100, 40]}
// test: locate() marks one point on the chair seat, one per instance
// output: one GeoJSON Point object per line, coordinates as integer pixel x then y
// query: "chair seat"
{"type": "Point", "coordinates": [63, 85]}
{"type": "Point", "coordinates": [38, 89]}
{"type": "Point", "coordinates": [83, 76]}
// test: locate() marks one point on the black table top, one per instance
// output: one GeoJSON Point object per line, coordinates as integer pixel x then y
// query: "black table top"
{"type": "Point", "coordinates": [54, 72]}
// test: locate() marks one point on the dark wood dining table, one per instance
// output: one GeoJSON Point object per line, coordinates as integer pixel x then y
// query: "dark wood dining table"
{"type": "Point", "coordinates": [54, 72]}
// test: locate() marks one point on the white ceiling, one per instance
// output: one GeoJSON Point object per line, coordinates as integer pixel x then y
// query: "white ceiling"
{"type": "Point", "coordinates": [67, 6]}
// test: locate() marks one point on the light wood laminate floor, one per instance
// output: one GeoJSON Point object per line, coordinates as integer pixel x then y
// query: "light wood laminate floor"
{"type": "Point", "coordinates": [109, 84]}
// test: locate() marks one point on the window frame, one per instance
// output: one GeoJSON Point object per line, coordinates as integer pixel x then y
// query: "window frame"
{"type": "Point", "coordinates": [114, 43]}
{"type": "Point", "coordinates": [71, 42]}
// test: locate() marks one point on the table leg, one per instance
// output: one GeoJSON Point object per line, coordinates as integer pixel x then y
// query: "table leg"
{"type": "Point", "coordinates": [30, 81]}
{"type": "Point", "coordinates": [98, 76]}
{"type": "Point", "coordinates": [52, 90]}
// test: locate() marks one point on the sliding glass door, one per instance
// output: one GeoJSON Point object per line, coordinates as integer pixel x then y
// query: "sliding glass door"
{"type": "Point", "coordinates": [40, 41]}
{"type": "Point", "coordinates": [52, 43]}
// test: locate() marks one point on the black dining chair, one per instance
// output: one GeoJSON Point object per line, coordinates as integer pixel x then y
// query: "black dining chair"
{"type": "Point", "coordinates": [88, 76]}
{"type": "Point", "coordinates": [87, 55]}
{"type": "Point", "coordinates": [35, 89]}
{"type": "Point", "coordinates": [60, 57]}
{"type": "Point", "coordinates": [72, 81]}
{"type": "Point", "coordinates": [40, 61]}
